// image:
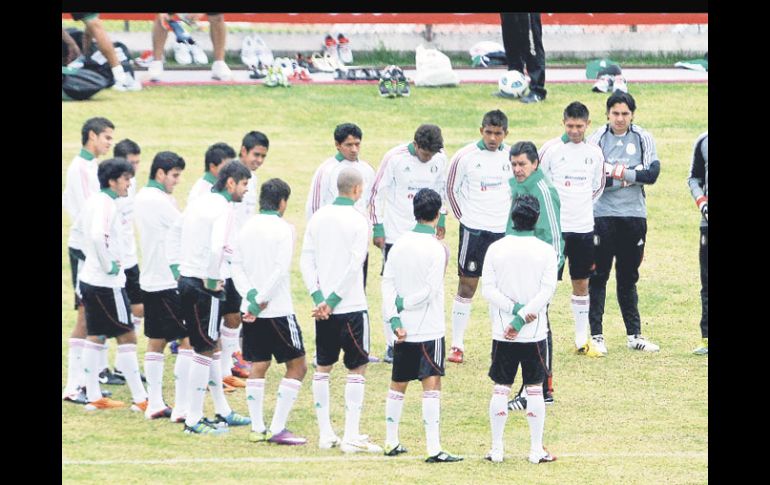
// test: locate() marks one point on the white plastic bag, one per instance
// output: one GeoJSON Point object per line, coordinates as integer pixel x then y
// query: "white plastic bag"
{"type": "Point", "coordinates": [433, 68]}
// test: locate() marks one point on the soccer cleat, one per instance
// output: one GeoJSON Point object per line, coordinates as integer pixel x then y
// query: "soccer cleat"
{"type": "Point", "coordinates": [619, 84]}
{"type": "Point", "coordinates": [387, 87]}
{"type": "Point", "coordinates": [597, 342]}
{"type": "Point", "coordinates": [249, 52]}
{"type": "Point", "coordinates": [703, 349]}
{"type": "Point", "coordinates": [260, 436]}
{"type": "Point", "coordinates": [220, 71]}
{"type": "Point", "coordinates": [161, 413]}
{"type": "Point", "coordinates": [456, 355]}
{"type": "Point", "coordinates": [602, 84]}
{"type": "Point", "coordinates": [531, 98]}
{"type": "Point", "coordinates": [330, 46]}
{"type": "Point", "coordinates": [394, 450]}
{"type": "Point", "coordinates": [111, 378]}
{"type": "Point", "coordinates": [139, 407]}
{"type": "Point", "coordinates": [588, 350]}
{"type": "Point", "coordinates": [233, 381]}
{"type": "Point", "coordinates": [637, 342]}
{"type": "Point", "coordinates": [203, 427]}
{"type": "Point", "coordinates": [388, 359]}
{"type": "Point", "coordinates": [198, 54]}
{"type": "Point", "coordinates": [286, 437]}
{"type": "Point", "coordinates": [361, 444]}
{"type": "Point", "coordinates": [495, 456]}
{"type": "Point", "coordinates": [518, 403]}
{"type": "Point", "coordinates": [443, 457]}
{"type": "Point", "coordinates": [232, 419]}
{"type": "Point", "coordinates": [546, 458]}
{"type": "Point", "coordinates": [241, 367]}
{"type": "Point", "coordinates": [548, 398]}
{"type": "Point", "coordinates": [182, 53]}
{"type": "Point", "coordinates": [119, 374]}
{"type": "Point", "coordinates": [104, 403]}
{"type": "Point", "coordinates": [329, 442]}
{"type": "Point", "coordinates": [77, 397]}
{"type": "Point", "coordinates": [155, 70]}
{"type": "Point", "coordinates": [402, 84]}
{"type": "Point", "coordinates": [343, 49]}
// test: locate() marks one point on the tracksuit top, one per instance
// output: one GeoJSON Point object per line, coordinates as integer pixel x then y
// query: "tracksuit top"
{"type": "Point", "coordinates": [248, 206]}
{"type": "Point", "coordinates": [699, 171]}
{"type": "Point", "coordinates": [126, 210]}
{"type": "Point", "coordinates": [323, 186]}
{"type": "Point", "coordinates": [155, 212]}
{"type": "Point", "coordinates": [101, 228]}
{"type": "Point", "coordinates": [202, 186]}
{"type": "Point", "coordinates": [81, 183]}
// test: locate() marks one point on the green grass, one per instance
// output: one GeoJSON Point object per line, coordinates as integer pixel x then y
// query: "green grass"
{"type": "Point", "coordinates": [628, 418]}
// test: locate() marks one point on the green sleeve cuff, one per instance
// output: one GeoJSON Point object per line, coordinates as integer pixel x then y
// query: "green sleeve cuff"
{"type": "Point", "coordinates": [517, 308]}
{"type": "Point", "coordinates": [399, 304]}
{"type": "Point", "coordinates": [211, 284]}
{"type": "Point", "coordinates": [254, 309]}
{"type": "Point", "coordinates": [333, 300]}
{"type": "Point", "coordinates": [175, 271]}
{"type": "Point", "coordinates": [517, 323]}
{"type": "Point", "coordinates": [251, 297]}
{"type": "Point", "coordinates": [395, 323]}
{"type": "Point", "coordinates": [115, 269]}
{"type": "Point", "coordinates": [318, 297]}
{"type": "Point", "coordinates": [379, 230]}
{"type": "Point", "coordinates": [441, 220]}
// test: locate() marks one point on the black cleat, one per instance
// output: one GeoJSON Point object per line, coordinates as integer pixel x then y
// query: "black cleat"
{"type": "Point", "coordinates": [443, 457]}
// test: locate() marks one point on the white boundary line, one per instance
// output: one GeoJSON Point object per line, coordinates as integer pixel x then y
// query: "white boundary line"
{"type": "Point", "coordinates": [334, 459]}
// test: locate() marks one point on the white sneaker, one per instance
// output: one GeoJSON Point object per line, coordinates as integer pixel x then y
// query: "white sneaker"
{"type": "Point", "coordinates": [182, 53]}
{"type": "Point", "coordinates": [495, 456]}
{"type": "Point", "coordinates": [220, 71]}
{"type": "Point", "coordinates": [249, 52]}
{"type": "Point", "coordinates": [619, 84]}
{"type": "Point", "coordinates": [127, 84]}
{"type": "Point", "coordinates": [603, 84]}
{"type": "Point", "coordinates": [156, 70]}
{"type": "Point", "coordinates": [262, 51]}
{"type": "Point", "coordinates": [360, 444]}
{"type": "Point", "coordinates": [597, 342]}
{"type": "Point", "coordinates": [329, 442]}
{"type": "Point", "coordinates": [637, 342]}
{"type": "Point", "coordinates": [198, 55]}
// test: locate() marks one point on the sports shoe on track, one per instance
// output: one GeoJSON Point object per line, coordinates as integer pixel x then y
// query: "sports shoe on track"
{"type": "Point", "coordinates": [343, 49]}
{"type": "Point", "coordinates": [362, 444]}
{"type": "Point", "coordinates": [546, 458]}
{"type": "Point", "coordinates": [495, 456]}
{"type": "Point", "coordinates": [603, 84]}
{"type": "Point", "coordinates": [597, 342]}
{"type": "Point", "coordinates": [198, 54]}
{"type": "Point", "coordinates": [619, 84]}
{"type": "Point", "coordinates": [394, 450]}
{"type": "Point", "coordinates": [155, 70]}
{"type": "Point", "coordinates": [249, 52]}
{"type": "Point", "coordinates": [220, 71]}
{"type": "Point", "coordinates": [518, 403]}
{"type": "Point", "coordinates": [443, 457]}
{"type": "Point", "coordinates": [637, 342]}
{"type": "Point", "coordinates": [104, 403]}
{"type": "Point", "coordinates": [703, 349]}
{"type": "Point", "coordinates": [286, 437]}
{"type": "Point", "coordinates": [160, 413]}
{"type": "Point", "coordinates": [203, 427]}
{"type": "Point", "coordinates": [456, 355]}
{"type": "Point", "coordinates": [233, 381]}
{"type": "Point", "coordinates": [329, 442]}
{"type": "Point", "coordinates": [232, 419]}
{"type": "Point", "coordinates": [182, 53]}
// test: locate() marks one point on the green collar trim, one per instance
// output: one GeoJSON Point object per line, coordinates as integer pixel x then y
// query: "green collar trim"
{"type": "Point", "coordinates": [565, 138]}
{"type": "Point", "coordinates": [516, 232]}
{"type": "Point", "coordinates": [529, 182]}
{"type": "Point", "coordinates": [226, 195]}
{"type": "Point", "coordinates": [155, 184]}
{"type": "Point", "coordinates": [482, 146]}
{"type": "Point", "coordinates": [269, 213]}
{"type": "Point", "coordinates": [209, 177]}
{"type": "Point", "coordinates": [339, 156]}
{"type": "Point", "coordinates": [424, 229]}
{"type": "Point", "coordinates": [412, 150]}
{"type": "Point", "coordinates": [343, 201]}
{"type": "Point", "coordinates": [86, 154]}
{"type": "Point", "coordinates": [113, 195]}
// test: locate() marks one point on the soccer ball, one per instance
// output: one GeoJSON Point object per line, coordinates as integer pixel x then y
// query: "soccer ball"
{"type": "Point", "coordinates": [513, 84]}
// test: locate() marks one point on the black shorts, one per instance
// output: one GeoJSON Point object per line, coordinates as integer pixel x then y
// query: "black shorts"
{"type": "Point", "coordinates": [163, 315]}
{"type": "Point", "coordinates": [346, 331]}
{"type": "Point", "coordinates": [385, 253]}
{"type": "Point", "coordinates": [232, 303]}
{"type": "Point", "coordinates": [201, 310]}
{"type": "Point", "coordinates": [418, 360]}
{"type": "Point", "coordinates": [107, 310]}
{"type": "Point", "coordinates": [473, 248]}
{"type": "Point", "coordinates": [277, 336]}
{"type": "Point", "coordinates": [506, 357]}
{"type": "Point", "coordinates": [579, 250]}
{"type": "Point", "coordinates": [133, 289]}
{"type": "Point", "coordinates": [77, 258]}
{"type": "Point", "coordinates": [84, 15]}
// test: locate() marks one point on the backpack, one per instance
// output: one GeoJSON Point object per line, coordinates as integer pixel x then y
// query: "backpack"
{"type": "Point", "coordinates": [95, 60]}
{"type": "Point", "coordinates": [80, 84]}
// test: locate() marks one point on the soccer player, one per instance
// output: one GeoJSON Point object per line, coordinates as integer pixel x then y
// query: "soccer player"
{"type": "Point", "coordinates": [528, 180]}
{"type": "Point", "coordinates": [519, 280]}
{"type": "Point", "coordinates": [201, 243]}
{"type": "Point", "coordinates": [413, 301]}
{"type": "Point", "coordinates": [81, 183]}
{"type": "Point", "coordinates": [576, 169]}
{"type": "Point", "coordinates": [216, 155]}
{"type": "Point", "coordinates": [620, 218]}
{"type": "Point", "coordinates": [261, 267]}
{"type": "Point", "coordinates": [479, 195]}
{"type": "Point", "coordinates": [405, 170]}
{"type": "Point", "coordinates": [102, 286]}
{"type": "Point", "coordinates": [699, 188]}
{"type": "Point", "coordinates": [155, 212]}
{"type": "Point", "coordinates": [333, 253]}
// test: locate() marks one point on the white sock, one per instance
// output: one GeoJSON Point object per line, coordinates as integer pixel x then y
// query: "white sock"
{"type": "Point", "coordinates": [74, 364]}
{"type": "Point", "coordinates": [580, 305]}
{"type": "Point", "coordinates": [153, 369]}
{"type": "Point", "coordinates": [182, 381]}
{"type": "Point", "coordinates": [221, 406]}
{"type": "Point", "coordinates": [127, 363]}
{"type": "Point", "coordinates": [103, 354]}
{"type": "Point", "coordinates": [287, 394]}
{"type": "Point", "coordinates": [199, 377]}
{"type": "Point", "coordinates": [91, 370]}
{"type": "Point", "coordinates": [118, 73]}
{"type": "Point", "coordinates": [498, 414]}
{"type": "Point", "coordinates": [321, 398]}
{"type": "Point", "coordinates": [230, 343]}
{"type": "Point", "coordinates": [255, 395]}
{"type": "Point", "coordinates": [431, 415]}
{"type": "Point", "coordinates": [394, 404]}
{"type": "Point", "coordinates": [536, 418]}
{"type": "Point", "coordinates": [354, 402]}
{"type": "Point", "coordinates": [461, 313]}
{"type": "Point", "coordinates": [389, 336]}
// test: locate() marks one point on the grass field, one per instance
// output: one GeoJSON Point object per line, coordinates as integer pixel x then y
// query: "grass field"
{"type": "Point", "coordinates": [628, 418]}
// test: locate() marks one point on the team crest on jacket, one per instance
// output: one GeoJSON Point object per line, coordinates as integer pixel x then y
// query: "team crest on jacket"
{"type": "Point", "coordinates": [506, 167]}
{"type": "Point", "coordinates": [433, 169]}
{"type": "Point", "coordinates": [631, 149]}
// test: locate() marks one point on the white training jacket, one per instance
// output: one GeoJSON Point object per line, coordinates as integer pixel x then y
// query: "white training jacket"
{"type": "Point", "coordinates": [155, 212]}
{"type": "Point", "coordinates": [519, 269]}
{"type": "Point", "coordinates": [126, 210]}
{"type": "Point", "coordinates": [248, 206]}
{"type": "Point", "coordinates": [201, 186]}
{"type": "Point", "coordinates": [323, 186]}
{"type": "Point", "coordinates": [80, 184]}
{"type": "Point", "coordinates": [101, 227]}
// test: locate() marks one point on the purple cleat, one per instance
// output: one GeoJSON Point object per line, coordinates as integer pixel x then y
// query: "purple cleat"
{"type": "Point", "coordinates": [286, 437]}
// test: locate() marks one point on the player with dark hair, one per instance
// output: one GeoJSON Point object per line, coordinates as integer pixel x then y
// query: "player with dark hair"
{"type": "Point", "coordinates": [698, 181]}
